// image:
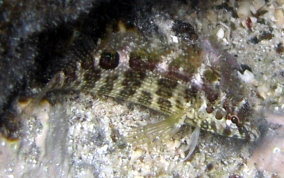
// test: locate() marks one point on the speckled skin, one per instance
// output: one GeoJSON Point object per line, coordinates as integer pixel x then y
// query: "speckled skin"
{"type": "Point", "coordinates": [197, 83]}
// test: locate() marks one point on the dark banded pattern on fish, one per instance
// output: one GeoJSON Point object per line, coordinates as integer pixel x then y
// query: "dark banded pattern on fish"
{"type": "Point", "coordinates": [201, 97]}
{"type": "Point", "coordinates": [160, 94]}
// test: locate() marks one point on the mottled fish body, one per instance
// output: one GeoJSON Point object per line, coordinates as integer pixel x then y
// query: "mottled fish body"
{"type": "Point", "coordinates": [192, 80]}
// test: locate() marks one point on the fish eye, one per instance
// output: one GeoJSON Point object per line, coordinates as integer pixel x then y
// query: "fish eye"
{"type": "Point", "coordinates": [109, 60]}
{"type": "Point", "coordinates": [235, 119]}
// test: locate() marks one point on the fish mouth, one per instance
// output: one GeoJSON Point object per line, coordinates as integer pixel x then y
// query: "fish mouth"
{"type": "Point", "coordinates": [250, 133]}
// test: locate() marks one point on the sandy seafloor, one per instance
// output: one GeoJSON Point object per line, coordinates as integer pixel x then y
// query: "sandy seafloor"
{"type": "Point", "coordinates": [78, 135]}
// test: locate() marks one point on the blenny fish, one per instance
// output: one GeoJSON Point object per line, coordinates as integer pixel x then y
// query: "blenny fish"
{"type": "Point", "coordinates": [179, 74]}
